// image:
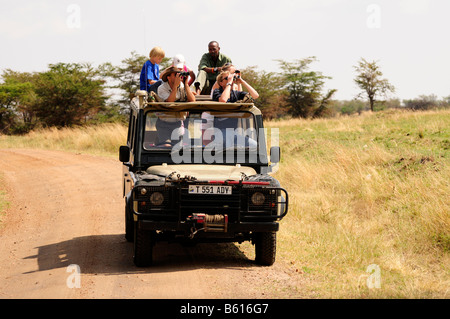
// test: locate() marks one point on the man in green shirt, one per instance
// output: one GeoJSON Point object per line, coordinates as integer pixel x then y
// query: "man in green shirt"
{"type": "Point", "coordinates": [209, 67]}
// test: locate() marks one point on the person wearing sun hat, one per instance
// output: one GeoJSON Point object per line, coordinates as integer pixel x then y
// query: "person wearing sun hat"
{"type": "Point", "coordinates": [180, 63]}
{"type": "Point", "coordinates": [172, 89]}
{"type": "Point", "coordinates": [174, 86]}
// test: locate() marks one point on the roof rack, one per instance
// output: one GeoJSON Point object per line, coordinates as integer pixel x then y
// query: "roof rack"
{"type": "Point", "coordinates": [203, 98]}
{"type": "Point", "coordinates": [203, 102]}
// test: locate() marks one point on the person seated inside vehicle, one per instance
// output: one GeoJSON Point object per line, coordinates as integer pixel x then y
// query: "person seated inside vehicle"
{"type": "Point", "coordinates": [169, 124]}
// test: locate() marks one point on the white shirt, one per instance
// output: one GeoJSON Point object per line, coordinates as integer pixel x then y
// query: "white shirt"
{"type": "Point", "coordinates": [164, 91]}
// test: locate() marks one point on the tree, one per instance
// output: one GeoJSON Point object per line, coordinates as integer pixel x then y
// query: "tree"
{"type": "Point", "coordinates": [303, 88]}
{"type": "Point", "coordinates": [8, 95]}
{"type": "Point", "coordinates": [370, 82]}
{"type": "Point", "coordinates": [423, 102]}
{"type": "Point", "coordinates": [17, 100]}
{"type": "Point", "coordinates": [268, 86]}
{"type": "Point", "coordinates": [68, 94]}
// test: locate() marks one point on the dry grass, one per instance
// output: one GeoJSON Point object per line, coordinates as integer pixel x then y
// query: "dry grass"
{"type": "Point", "coordinates": [103, 139]}
{"type": "Point", "coordinates": [369, 189]}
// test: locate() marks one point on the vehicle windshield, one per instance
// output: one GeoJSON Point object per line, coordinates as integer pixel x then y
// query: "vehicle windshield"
{"type": "Point", "coordinates": [214, 130]}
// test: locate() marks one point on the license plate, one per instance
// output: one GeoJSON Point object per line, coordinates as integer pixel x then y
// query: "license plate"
{"type": "Point", "coordinates": [210, 189]}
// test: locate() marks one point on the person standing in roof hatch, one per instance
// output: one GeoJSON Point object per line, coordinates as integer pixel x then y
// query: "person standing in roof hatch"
{"type": "Point", "coordinates": [209, 67]}
{"type": "Point", "coordinates": [180, 63]}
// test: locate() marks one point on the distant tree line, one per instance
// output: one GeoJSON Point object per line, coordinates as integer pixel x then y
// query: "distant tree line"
{"type": "Point", "coordinates": [65, 95]}
{"type": "Point", "coordinates": [69, 94]}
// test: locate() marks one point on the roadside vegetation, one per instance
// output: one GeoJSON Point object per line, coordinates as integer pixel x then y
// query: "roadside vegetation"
{"type": "Point", "coordinates": [102, 139]}
{"type": "Point", "coordinates": [369, 189]}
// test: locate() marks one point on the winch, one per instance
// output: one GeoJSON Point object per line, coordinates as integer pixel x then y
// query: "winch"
{"type": "Point", "coordinates": [207, 223]}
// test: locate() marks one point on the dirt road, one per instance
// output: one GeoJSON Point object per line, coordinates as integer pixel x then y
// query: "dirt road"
{"type": "Point", "coordinates": [67, 209]}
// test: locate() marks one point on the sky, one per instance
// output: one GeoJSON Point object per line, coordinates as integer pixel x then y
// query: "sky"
{"type": "Point", "coordinates": [408, 38]}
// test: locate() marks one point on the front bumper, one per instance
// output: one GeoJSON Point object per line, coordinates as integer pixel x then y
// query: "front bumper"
{"type": "Point", "coordinates": [210, 216]}
{"type": "Point", "coordinates": [185, 227]}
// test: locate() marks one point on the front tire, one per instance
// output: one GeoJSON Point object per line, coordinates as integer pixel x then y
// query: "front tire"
{"type": "Point", "coordinates": [265, 248]}
{"type": "Point", "coordinates": [129, 224]}
{"type": "Point", "coordinates": [143, 246]}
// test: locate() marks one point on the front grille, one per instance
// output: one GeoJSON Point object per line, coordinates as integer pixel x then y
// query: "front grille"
{"type": "Point", "coordinates": [210, 204]}
{"type": "Point", "coordinates": [178, 203]}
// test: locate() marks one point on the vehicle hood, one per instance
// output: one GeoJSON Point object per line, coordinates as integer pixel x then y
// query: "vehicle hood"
{"type": "Point", "coordinates": [202, 172]}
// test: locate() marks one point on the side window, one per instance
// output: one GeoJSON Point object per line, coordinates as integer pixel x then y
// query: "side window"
{"type": "Point", "coordinates": [131, 131]}
{"type": "Point", "coordinates": [151, 133]}
{"type": "Point", "coordinates": [133, 134]}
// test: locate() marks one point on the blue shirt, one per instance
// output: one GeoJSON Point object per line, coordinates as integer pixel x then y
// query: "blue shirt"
{"type": "Point", "coordinates": [149, 71]}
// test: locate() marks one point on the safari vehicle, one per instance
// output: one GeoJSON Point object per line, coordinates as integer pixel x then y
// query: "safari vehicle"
{"type": "Point", "coordinates": [209, 182]}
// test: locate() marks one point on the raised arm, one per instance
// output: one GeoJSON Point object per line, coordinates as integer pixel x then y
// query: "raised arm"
{"type": "Point", "coordinates": [249, 88]}
{"type": "Point", "coordinates": [189, 94]}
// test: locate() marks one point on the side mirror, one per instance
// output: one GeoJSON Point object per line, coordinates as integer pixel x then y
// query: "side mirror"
{"type": "Point", "coordinates": [124, 154]}
{"type": "Point", "coordinates": [275, 154]}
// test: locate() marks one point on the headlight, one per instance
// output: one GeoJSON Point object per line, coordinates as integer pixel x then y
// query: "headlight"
{"type": "Point", "coordinates": [258, 198]}
{"type": "Point", "coordinates": [157, 199]}
{"type": "Point", "coordinates": [143, 191]}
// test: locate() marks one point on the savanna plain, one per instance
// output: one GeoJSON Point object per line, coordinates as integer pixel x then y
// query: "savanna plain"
{"type": "Point", "coordinates": [370, 189]}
